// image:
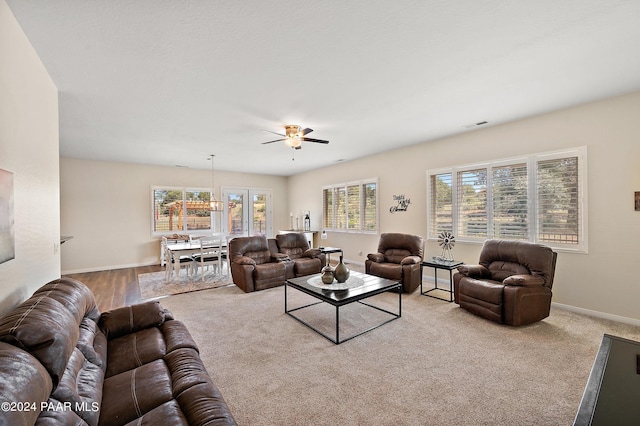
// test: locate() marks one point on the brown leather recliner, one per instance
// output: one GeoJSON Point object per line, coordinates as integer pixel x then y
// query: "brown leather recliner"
{"type": "Point", "coordinates": [253, 267]}
{"type": "Point", "coordinates": [398, 258]}
{"type": "Point", "coordinates": [306, 260]}
{"type": "Point", "coordinates": [510, 285]}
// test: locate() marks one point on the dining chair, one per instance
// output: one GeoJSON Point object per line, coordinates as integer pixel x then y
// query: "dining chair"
{"type": "Point", "coordinates": [174, 265]}
{"type": "Point", "coordinates": [211, 252]}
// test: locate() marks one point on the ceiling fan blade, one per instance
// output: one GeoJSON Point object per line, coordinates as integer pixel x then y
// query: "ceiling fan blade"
{"type": "Point", "coordinates": [277, 140]}
{"type": "Point", "coordinates": [313, 140]}
{"type": "Point", "coordinates": [275, 133]}
{"type": "Point", "coordinates": [306, 131]}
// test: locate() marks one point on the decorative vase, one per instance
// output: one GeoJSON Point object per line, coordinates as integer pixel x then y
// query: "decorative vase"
{"type": "Point", "coordinates": [327, 274]}
{"type": "Point", "coordinates": [341, 272]}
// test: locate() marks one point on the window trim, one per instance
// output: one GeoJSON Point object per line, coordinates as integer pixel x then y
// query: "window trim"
{"type": "Point", "coordinates": [362, 224]}
{"type": "Point", "coordinates": [532, 161]}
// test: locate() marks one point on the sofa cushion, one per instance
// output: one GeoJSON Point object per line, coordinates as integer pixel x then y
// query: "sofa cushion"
{"type": "Point", "coordinates": [500, 270]}
{"type": "Point", "coordinates": [485, 290]}
{"type": "Point", "coordinates": [76, 297]}
{"type": "Point", "coordinates": [199, 399]}
{"type": "Point", "coordinates": [131, 394]}
{"type": "Point", "coordinates": [133, 350]}
{"type": "Point", "coordinates": [22, 379]}
{"type": "Point", "coordinates": [390, 271]}
{"type": "Point", "coordinates": [130, 319]}
{"type": "Point", "coordinates": [46, 329]}
{"type": "Point", "coordinates": [81, 386]}
{"type": "Point", "coordinates": [307, 266]}
{"type": "Point", "coordinates": [58, 413]}
{"type": "Point", "coordinates": [93, 343]}
{"type": "Point", "coordinates": [396, 255]}
{"type": "Point", "coordinates": [168, 413]}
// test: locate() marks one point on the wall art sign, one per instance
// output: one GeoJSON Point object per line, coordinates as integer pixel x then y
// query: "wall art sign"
{"type": "Point", "coordinates": [637, 201]}
{"type": "Point", "coordinates": [402, 204]}
{"type": "Point", "coordinates": [7, 239]}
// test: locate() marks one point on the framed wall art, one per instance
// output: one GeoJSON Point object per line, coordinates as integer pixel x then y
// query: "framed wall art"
{"type": "Point", "coordinates": [7, 238]}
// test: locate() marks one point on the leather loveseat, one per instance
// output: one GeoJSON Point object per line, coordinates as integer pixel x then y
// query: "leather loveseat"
{"type": "Point", "coordinates": [64, 363]}
{"type": "Point", "coordinates": [510, 285]}
{"type": "Point", "coordinates": [398, 258]}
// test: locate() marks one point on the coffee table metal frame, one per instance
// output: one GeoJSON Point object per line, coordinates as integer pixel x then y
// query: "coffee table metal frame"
{"type": "Point", "coordinates": [372, 286]}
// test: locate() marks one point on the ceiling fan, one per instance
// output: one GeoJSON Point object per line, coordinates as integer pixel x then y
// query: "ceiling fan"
{"type": "Point", "coordinates": [294, 136]}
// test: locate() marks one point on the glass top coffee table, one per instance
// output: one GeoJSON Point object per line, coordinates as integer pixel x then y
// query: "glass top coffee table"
{"type": "Point", "coordinates": [359, 286]}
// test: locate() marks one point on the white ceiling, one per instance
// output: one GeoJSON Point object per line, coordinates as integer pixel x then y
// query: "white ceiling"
{"type": "Point", "coordinates": [170, 82]}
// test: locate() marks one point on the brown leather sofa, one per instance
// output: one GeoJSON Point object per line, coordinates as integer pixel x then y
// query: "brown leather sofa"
{"type": "Point", "coordinates": [510, 285]}
{"type": "Point", "coordinates": [254, 267]}
{"type": "Point", "coordinates": [306, 261]}
{"type": "Point", "coordinates": [398, 258]}
{"type": "Point", "coordinates": [64, 363]}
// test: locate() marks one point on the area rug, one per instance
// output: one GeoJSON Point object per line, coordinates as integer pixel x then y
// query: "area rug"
{"type": "Point", "coordinates": [153, 285]}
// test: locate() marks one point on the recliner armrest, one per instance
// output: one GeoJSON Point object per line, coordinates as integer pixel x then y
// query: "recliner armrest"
{"type": "Point", "coordinates": [410, 260]}
{"type": "Point", "coordinates": [474, 271]}
{"type": "Point", "coordinates": [376, 257]}
{"type": "Point", "coordinates": [524, 281]}
{"type": "Point", "coordinates": [312, 252]}
{"type": "Point", "coordinates": [279, 257]}
{"type": "Point", "coordinates": [244, 260]}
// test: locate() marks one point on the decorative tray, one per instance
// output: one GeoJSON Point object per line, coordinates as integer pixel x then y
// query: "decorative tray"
{"type": "Point", "coordinates": [352, 282]}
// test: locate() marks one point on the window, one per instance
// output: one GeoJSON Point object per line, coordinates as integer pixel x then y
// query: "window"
{"type": "Point", "coordinates": [350, 207]}
{"type": "Point", "coordinates": [180, 210]}
{"type": "Point", "coordinates": [540, 198]}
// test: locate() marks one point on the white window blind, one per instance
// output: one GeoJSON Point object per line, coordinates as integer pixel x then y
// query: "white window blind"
{"type": "Point", "coordinates": [558, 193]}
{"type": "Point", "coordinates": [509, 192]}
{"type": "Point", "coordinates": [472, 202]}
{"type": "Point", "coordinates": [441, 202]}
{"type": "Point", "coordinates": [353, 207]}
{"type": "Point", "coordinates": [370, 209]}
{"type": "Point", "coordinates": [327, 208]}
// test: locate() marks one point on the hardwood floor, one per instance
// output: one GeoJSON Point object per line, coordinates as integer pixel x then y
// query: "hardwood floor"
{"type": "Point", "coordinates": [119, 287]}
{"type": "Point", "coordinates": [115, 288]}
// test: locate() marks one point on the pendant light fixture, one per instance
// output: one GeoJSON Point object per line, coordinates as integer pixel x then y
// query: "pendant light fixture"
{"type": "Point", "coordinates": [214, 205]}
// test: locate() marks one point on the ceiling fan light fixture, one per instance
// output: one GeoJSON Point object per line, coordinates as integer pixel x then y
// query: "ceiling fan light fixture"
{"type": "Point", "coordinates": [293, 142]}
{"type": "Point", "coordinates": [293, 131]}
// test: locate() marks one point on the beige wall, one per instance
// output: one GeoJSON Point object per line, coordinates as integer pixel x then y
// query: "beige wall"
{"type": "Point", "coordinates": [29, 149]}
{"type": "Point", "coordinates": [106, 207]}
{"type": "Point", "coordinates": [602, 282]}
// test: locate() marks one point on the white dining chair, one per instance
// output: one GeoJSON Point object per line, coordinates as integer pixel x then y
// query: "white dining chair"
{"type": "Point", "coordinates": [210, 255]}
{"type": "Point", "coordinates": [174, 265]}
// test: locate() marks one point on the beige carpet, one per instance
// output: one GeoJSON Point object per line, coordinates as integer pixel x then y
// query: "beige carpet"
{"type": "Point", "coordinates": [154, 285]}
{"type": "Point", "coordinates": [437, 365]}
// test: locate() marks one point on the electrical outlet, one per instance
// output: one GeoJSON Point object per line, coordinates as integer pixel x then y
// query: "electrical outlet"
{"type": "Point", "coordinates": [56, 248]}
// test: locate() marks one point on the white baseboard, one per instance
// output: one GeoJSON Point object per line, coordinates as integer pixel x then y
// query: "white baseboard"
{"type": "Point", "coordinates": [107, 268]}
{"type": "Point", "coordinates": [596, 314]}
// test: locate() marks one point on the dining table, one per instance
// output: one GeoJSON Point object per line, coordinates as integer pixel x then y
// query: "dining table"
{"type": "Point", "coordinates": [192, 247]}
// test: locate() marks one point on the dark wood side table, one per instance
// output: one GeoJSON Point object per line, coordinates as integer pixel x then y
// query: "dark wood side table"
{"type": "Point", "coordinates": [329, 250]}
{"type": "Point", "coordinates": [448, 265]}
